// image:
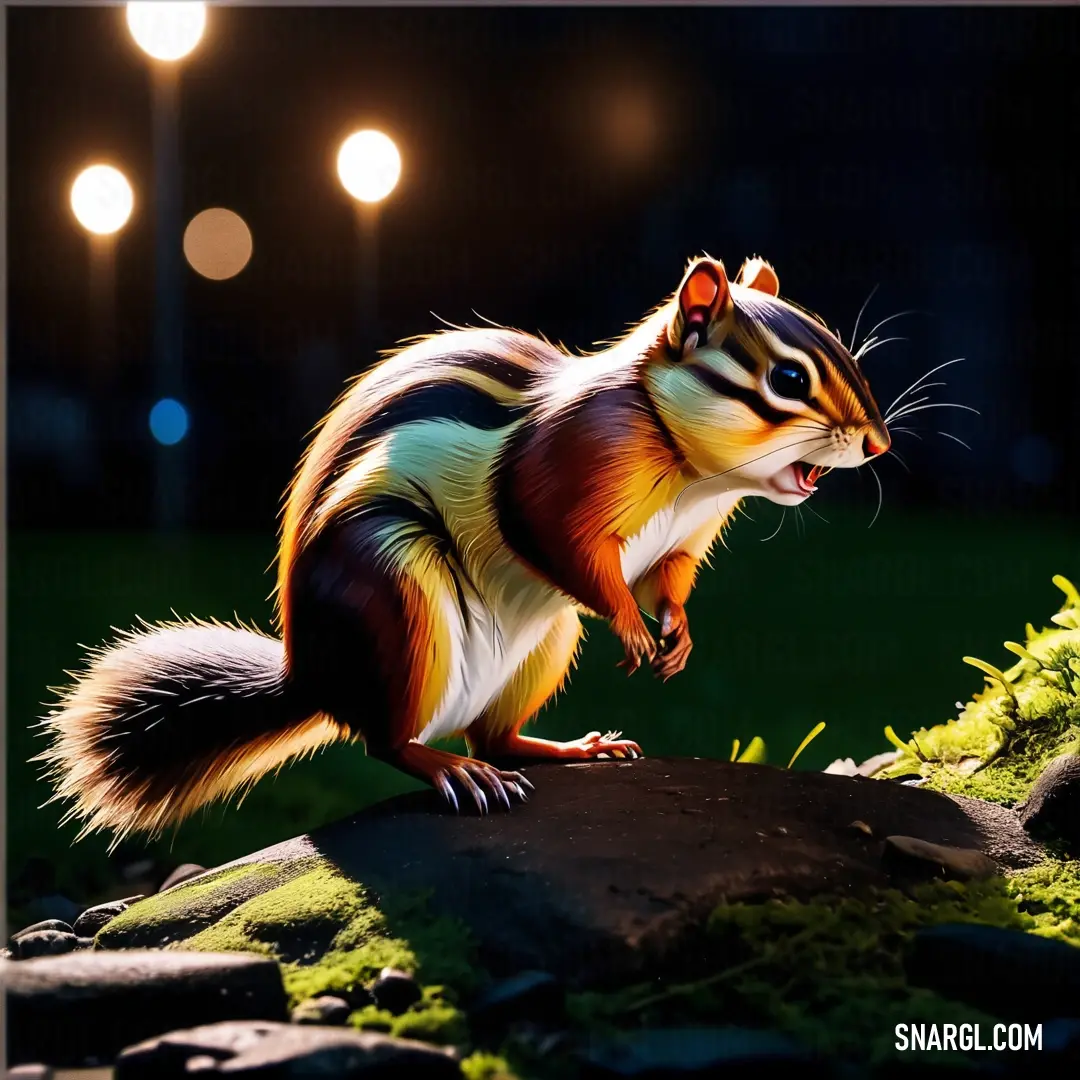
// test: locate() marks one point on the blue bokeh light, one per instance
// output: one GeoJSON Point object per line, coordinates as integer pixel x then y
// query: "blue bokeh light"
{"type": "Point", "coordinates": [168, 421]}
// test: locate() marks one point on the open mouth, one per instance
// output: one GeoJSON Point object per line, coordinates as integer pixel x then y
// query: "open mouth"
{"type": "Point", "coordinates": [799, 479]}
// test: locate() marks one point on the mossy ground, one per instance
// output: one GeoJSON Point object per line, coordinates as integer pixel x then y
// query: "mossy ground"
{"type": "Point", "coordinates": [829, 972]}
{"type": "Point", "coordinates": [1009, 732]}
{"type": "Point", "coordinates": [330, 935]}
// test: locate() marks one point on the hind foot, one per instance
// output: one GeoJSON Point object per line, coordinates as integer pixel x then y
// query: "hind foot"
{"type": "Point", "coordinates": [451, 775]}
{"type": "Point", "coordinates": [591, 747]}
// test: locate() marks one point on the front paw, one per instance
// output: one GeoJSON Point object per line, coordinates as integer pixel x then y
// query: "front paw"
{"type": "Point", "coordinates": [637, 643]}
{"type": "Point", "coordinates": [675, 643]}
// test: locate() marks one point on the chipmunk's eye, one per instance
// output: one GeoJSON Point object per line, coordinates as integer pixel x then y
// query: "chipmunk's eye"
{"type": "Point", "coordinates": [789, 380]}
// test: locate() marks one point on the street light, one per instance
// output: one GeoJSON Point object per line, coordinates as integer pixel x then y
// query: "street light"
{"type": "Point", "coordinates": [167, 31]}
{"type": "Point", "coordinates": [369, 167]}
{"type": "Point", "coordinates": [102, 201]}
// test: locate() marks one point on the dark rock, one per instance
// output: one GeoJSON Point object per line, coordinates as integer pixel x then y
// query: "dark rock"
{"type": "Point", "coordinates": [1053, 804]}
{"type": "Point", "coordinates": [395, 991]}
{"type": "Point", "coordinates": [184, 872]}
{"type": "Point", "coordinates": [284, 1050]}
{"type": "Point", "coordinates": [960, 864]}
{"type": "Point", "coordinates": [43, 943]}
{"type": "Point", "coordinates": [536, 996]}
{"type": "Point", "coordinates": [611, 863]}
{"type": "Point", "coordinates": [53, 906]}
{"type": "Point", "coordinates": [356, 997]}
{"type": "Point", "coordinates": [46, 924]}
{"type": "Point", "coordinates": [103, 1001]}
{"type": "Point", "coordinates": [1008, 973]}
{"type": "Point", "coordinates": [93, 919]}
{"type": "Point", "coordinates": [325, 1009]}
{"type": "Point", "coordinates": [660, 1054]}
{"type": "Point", "coordinates": [30, 1072]}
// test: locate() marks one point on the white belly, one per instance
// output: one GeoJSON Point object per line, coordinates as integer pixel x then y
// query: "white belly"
{"type": "Point", "coordinates": [666, 530]}
{"type": "Point", "coordinates": [488, 647]}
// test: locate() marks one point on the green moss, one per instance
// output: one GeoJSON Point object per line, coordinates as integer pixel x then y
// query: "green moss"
{"type": "Point", "coordinates": [182, 911]}
{"type": "Point", "coordinates": [435, 1019]}
{"type": "Point", "coordinates": [1010, 731]}
{"type": "Point", "coordinates": [1049, 895]}
{"type": "Point", "coordinates": [333, 935]}
{"type": "Point", "coordinates": [484, 1066]}
{"type": "Point", "coordinates": [830, 973]}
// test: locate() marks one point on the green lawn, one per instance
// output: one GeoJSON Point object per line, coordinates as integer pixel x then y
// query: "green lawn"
{"type": "Point", "coordinates": [859, 628]}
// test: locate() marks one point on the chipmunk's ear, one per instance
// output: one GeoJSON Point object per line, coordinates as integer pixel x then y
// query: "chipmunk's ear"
{"type": "Point", "coordinates": [702, 302]}
{"type": "Point", "coordinates": [756, 273]}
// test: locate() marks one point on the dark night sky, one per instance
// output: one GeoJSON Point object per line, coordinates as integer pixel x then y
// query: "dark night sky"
{"type": "Point", "coordinates": [560, 166]}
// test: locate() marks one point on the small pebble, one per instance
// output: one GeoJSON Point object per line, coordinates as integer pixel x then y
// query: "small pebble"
{"type": "Point", "coordinates": [45, 924]}
{"type": "Point", "coordinates": [43, 943]}
{"type": "Point", "coordinates": [395, 991]}
{"type": "Point", "coordinates": [357, 997]}
{"type": "Point", "coordinates": [325, 1009]}
{"type": "Point", "coordinates": [30, 1072]}
{"type": "Point", "coordinates": [1053, 804]}
{"type": "Point", "coordinates": [93, 919]}
{"type": "Point", "coordinates": [85, 943]}
{"type": "Point", "coordinates": [953, 862]}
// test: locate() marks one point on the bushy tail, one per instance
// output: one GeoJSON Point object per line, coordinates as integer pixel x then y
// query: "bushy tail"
{"type": "Point", "coordinates": [173, 716]}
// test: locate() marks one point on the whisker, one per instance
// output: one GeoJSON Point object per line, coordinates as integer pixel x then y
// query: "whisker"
{"type": "Point", "coordinates": [925, 386]}
{"type": "Point", "coordinates": [955, 439]}
{"type": "Point", "coordinates": [908, 431]}
{"type": "Point", "coordinates": [893, 453]}
{"type": "Point", "coordinates": [935, 405]}
{"type": "Point", "coordinates": [858, 318]}
{"type": "Point", "coordinates": [920, 379]}
{"type": "Point", "coordinates": [866, 349]}
{"type": "Point", "coordinates": [783, 514]}
{"type": "Point", "coordinates": [916, 401]}
{"type": "Point", "coordinates": [898, 315]}
{"type": "Point", "coordinates": [816, 514]}
{"type": "Point", "coordinates": [881, 495]}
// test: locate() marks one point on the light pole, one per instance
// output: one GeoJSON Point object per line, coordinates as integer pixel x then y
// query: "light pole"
{"type": "Point", "coordinates": [369, 167]}
{"type": "Point", "coordinates": [102, 201]}
{"type": "Point", "coordinates": [167, 32]}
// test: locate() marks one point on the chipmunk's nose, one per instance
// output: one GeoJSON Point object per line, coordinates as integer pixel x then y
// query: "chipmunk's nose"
{"type": "Point", "coordinates": [876, 443]}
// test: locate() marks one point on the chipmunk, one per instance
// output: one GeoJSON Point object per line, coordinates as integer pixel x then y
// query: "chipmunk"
{"type": "Point", "coordinates": [460, 508]}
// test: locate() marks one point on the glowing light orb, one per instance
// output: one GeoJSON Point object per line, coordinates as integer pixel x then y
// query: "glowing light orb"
{"type": "Point", "coordinates": [101, 199]}
{"type": "Point", "coordinates": [369, 165]}
{"type": "Point", "coordinates": [165, 29]}
{"type": "Point", "coordinates": [168, 421]}
{"type": "Point", "coordinates": [217, 243]}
